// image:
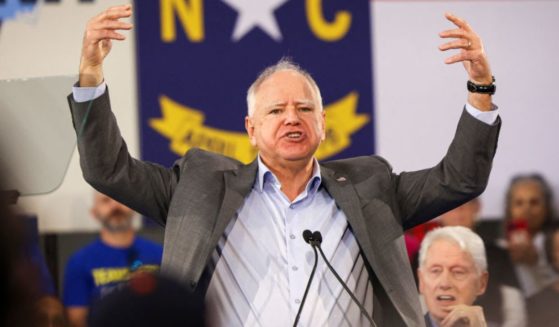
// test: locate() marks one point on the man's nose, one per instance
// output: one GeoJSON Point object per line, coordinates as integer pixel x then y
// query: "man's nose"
{"type": "Point", "coordinates": [445, 281]}
{"type": "Point", "coordinates": [291, 115]}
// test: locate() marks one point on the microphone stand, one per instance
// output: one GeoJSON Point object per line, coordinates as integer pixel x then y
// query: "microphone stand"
{"type": "Point", "coordinates": [363, 311]}
{"type": "Point", "coordinates": [315, 239]}
{"type": "Point", "coordinates": [307, 236]}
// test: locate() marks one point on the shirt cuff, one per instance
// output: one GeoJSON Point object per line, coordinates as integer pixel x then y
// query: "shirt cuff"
{"type": "Point", "coordinates": [84, 94]}
{"type": "Point", "coordinates": [488, 117]}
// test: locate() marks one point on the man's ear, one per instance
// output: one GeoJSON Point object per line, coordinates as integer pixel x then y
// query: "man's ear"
{"type": "Point", "coordinates": [483, 280]}
{"type": "Point", "coordinates": [249, 126]}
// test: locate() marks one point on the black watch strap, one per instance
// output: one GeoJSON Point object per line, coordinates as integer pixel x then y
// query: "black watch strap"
{"type": "Point", "coordinates": [483, 89]}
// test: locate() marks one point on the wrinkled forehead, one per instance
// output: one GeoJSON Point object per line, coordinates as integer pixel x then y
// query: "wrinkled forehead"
{"type": "Point", "coordinates": [447, 252]}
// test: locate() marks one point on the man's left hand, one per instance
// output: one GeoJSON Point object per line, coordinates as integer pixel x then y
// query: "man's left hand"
{"type": "Point", "coordinates": [472, 53]}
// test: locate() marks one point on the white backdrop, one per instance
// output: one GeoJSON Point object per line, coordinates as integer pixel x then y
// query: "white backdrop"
{"type": "Point", "coordinates": [418, 99]}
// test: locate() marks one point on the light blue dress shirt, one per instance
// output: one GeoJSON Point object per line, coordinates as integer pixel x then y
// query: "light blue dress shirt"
{"type": "Point", "coordinates": [262, 264]}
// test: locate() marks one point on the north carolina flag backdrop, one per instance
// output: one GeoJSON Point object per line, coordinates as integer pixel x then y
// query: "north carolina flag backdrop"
{"type": "Point", "coordinates": [197, 58]}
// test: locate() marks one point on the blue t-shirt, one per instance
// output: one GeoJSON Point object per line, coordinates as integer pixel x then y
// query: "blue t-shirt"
{"type": "Point", "coordinates": [97, 269]}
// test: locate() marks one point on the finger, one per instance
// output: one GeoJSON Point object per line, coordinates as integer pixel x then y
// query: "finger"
{"type": "Point", "coordinates": [456, 44]}
{"type": "Point", "coordinates": [95, 36]}
{"type": "Point", "coordinates": [454, 59]}
{"type": "Point", "coordinates": [453, 318]}
{"type": "Point", "coordinates": [116, 12]}
{"type": "Point", "coordinates": [457, 33]}
{"type": "Point", "coordinates": [462, 56]}
{"type": "Point", "coordinates": [449, 320]}
{"type": "Point", "coordinates": [458, 21]}
{"type": "Point", "coordinates": [113, 25]}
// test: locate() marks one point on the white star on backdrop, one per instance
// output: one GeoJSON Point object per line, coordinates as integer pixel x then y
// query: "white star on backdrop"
{"type": "Point", "coordinates": [256, 13]}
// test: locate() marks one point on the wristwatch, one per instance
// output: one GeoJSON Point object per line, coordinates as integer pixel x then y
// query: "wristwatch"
{"type": "Point", "coordinates": [483, 89]}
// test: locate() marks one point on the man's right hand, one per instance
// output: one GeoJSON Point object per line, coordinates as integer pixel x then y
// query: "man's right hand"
{"type": "Point", "coordinates": [97, 41]}
{"type": "Point", "coordinates": [462, 315]}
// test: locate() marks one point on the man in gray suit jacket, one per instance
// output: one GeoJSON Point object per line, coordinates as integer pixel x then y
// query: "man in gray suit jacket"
{"type": "Point", "coordinates": [232, 230]}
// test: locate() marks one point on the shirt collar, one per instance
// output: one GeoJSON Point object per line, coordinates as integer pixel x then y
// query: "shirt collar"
{"type": "Point", "coordinates": [265, 175]}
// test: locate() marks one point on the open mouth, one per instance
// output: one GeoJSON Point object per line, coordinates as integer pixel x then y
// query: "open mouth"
{"type": "Point", "coordinates": [446, 298]}
{"type": "Point", "coordinates": [294, 135]}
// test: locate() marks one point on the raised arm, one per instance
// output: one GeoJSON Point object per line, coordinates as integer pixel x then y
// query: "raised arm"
{"type": "Point", "coordinates": [104, 158]}
{"type": "Point", "coordinates": [464, 171]}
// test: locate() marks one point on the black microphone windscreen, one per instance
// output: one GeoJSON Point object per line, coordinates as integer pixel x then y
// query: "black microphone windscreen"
{"type": "Point", "coordinates": [317, 237]}
{"type": "Point", "coordinates": [307, 235]}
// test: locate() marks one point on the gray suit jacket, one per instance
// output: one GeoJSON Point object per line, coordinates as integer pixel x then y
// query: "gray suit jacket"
{"type": "Point", "coordinates": [196, 198]}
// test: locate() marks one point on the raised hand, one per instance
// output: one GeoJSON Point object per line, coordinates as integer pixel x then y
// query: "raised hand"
{"type": "Point", "coordinates": [97, 42]}
{"type": "Point", "coordinates": [472, 55]}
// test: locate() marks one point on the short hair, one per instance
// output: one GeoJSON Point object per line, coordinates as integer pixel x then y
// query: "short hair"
{"type": "Point", "coordinates": [285, 63]}
{"type": "Point", "coordinates": [465, 238]}
{"type": "Point", "coordinates": [546, 191]}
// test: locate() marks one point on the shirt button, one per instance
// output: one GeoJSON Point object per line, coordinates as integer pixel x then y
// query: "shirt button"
{"type": "Point", "coordinates": [297, 301]}
{"type": "Point", "coordinates": [294, 268]}
{"type": "Point", "coordinates": [292, 236]}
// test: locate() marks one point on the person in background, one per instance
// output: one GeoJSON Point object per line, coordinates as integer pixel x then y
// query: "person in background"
{"type": "Point", "coordinates": [105, 264]}
{"type": "Point", "coordinates": [542, 306]}
{"type": "Point", "coordinates": [452, 274]}
{"type": "Point", "coordinates": [49, 309]}
{"type": "Point", "coordinates": [26, 290]}
{"type": "Point", "coordinates": [528, 214]}
{"type": "Point", "coordinates": [503, 301]}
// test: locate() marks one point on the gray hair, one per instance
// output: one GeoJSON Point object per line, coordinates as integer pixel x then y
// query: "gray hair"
{"type": "Point", "coordinates": [284, 63]}
{"type": "Point", "coordinates": [465, 238]}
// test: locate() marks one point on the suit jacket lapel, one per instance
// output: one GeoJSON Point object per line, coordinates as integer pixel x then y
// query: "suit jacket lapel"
{"type": "Point", "coordinates": [347, 199]}
{"type": "Point", "coordinates": [238, 184]}
{"type": "Point", "coordinates": [377, 250]}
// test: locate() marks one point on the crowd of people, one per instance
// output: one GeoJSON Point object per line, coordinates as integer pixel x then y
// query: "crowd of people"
{"type": "Point", "coordinates": [522, 262]}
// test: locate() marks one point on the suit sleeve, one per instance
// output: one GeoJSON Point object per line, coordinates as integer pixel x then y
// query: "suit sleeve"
{"type": "Point", "coordinates": [461, 176]}
{"type": "Point", "coordinates": [108, 167]}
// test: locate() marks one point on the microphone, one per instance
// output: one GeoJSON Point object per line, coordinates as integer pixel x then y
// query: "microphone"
{"type": "Point", "coordinates": [309, 238]}
{"type": "Point", "coordinates": [316, 238]}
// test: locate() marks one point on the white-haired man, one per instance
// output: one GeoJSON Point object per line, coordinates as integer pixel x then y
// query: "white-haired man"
{"type": "Point", "coordinates": [452, 274]}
